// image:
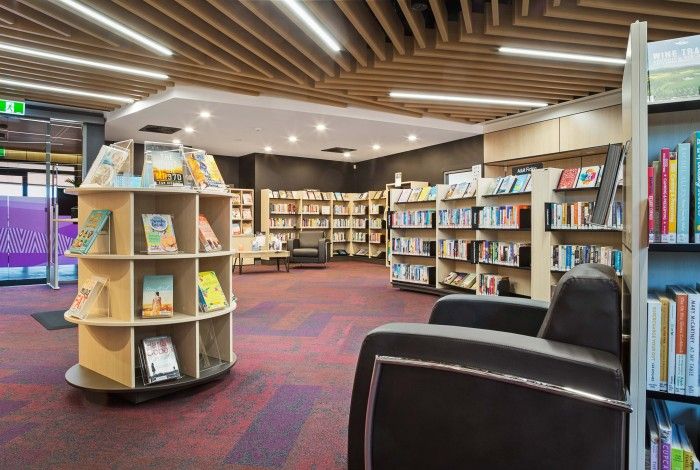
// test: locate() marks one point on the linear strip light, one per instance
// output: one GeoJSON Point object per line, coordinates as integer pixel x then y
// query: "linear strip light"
{"type": "Point", "coordinates": [118, 27]}
{"type": "Point", "coordinates": [412, 95]}
{"type": "Point", "coordinates": [309, 20]}
{"type": "Point", "coordinates": [77, 60]}
{"type": "Point", "coordinates": [561, 55]}
{"type": "Point", "coordinates": [66, 91]}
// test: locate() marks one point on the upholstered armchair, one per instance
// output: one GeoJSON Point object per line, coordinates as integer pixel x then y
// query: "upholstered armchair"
{"type": "Point", "coordinates": [310, 247]}
{"type": "Point", "coordinates": [497, 383]}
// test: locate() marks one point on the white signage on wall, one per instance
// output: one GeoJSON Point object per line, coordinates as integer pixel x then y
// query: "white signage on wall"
{"type": "Point", "coordinates": [397, 179]}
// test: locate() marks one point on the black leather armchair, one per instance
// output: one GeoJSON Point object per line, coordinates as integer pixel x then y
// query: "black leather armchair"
{"type": "Point", "coordinates": [310, 247]}
{"type": "Point", "coordinates": [497, 383]}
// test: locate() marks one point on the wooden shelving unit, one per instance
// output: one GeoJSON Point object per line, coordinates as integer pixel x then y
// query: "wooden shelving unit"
{"type": "Point", "coordinates": [109, 336]}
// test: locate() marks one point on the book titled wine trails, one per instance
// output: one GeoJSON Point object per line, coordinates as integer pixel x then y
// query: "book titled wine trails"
{"type": "Point", "coordinates": [94, 224]}
{"type": "Point", "coordinates": [157, 296]}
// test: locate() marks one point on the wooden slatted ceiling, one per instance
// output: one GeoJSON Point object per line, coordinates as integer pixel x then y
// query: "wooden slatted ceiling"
{"type": "Point", "coordinates": [259, 47]}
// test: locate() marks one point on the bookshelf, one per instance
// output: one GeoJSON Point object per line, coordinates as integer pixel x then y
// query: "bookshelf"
{"type": "Point", "coordinates": [650, 266]}
{"type": "Point", "coordinates": [109, 336]}
{"type": "Point", "coordinates": [387, 195]}
{"type": "Point", "coordinates": [243, 220]}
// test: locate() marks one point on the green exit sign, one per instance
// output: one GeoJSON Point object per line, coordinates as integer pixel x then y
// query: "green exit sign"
{"type": "Point", "coordinates": [12, 107]}
{"type": "Point", "coordinates": [2, 152]}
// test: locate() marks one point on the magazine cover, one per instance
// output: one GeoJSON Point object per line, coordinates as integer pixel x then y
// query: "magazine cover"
{"type": "Point", "coordinates": [109, 162]}
{"type": "Point", "coordinates": [204, 171]}
{"type": "Point", "coordinates": [207, 237]}
{"type": "Point", "coordinates": [568, 178]}
{"type": "Point", "coordinates": [87, 295]}
{"type": "Point", "coordinates": [211, 296]}
{"type": "Point", "coordinates": [674, 69]}
{"type": "Point", "coordinates": [236, 228]}
{"type": "Point", "coordinates": [167, 167]}
{"type": "Point", "coordinates": [236, 198]}
{"type": "Point", "coordinates": [520, 183]}
{"type": "Point", "coordinates": [160, 233]}
{"type": "Point", "coordinates": [88, 233]}
{"type": "Point", "coordinates": [157, 296]}
{"type": "Point", "coordinates": [247, 199]}
{"type": "Point", "coordinates": [160, 360]}
{"type": "Point", "coordinates": [588, 177]}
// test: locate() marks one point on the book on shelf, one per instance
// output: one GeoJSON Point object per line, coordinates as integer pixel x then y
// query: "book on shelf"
{"type": "Point", "coordinates": [160, 233]}
{"type": "Point", "coordinates": [404, 194]}
{"type": "Point", "coordinates": [652, 201]}
{"type": "Point", "coordinates": [109, 161]}
{"type": "Point", "coordinates": [678, 347]}
{"type": "Point", "coordinates": [247, 213]}
{"type": "Point", "coordinates": [568, 178]}
{"type": "Point", "coordinates": [462, 280]}
{"type": "Point", "coordinates": [90, 230]}
{"type": "Point", "coordinates": [460, 249]}
{"type": "Point", "coordinates": [682, 152]}
{"type": "Point", "coordinates": [432, 194]}
{"type": "Point", "coordinates": [414, 194]}
{"type": "Point", "coordinates": [207, 238]}
{"type": "Point", "coordinates": [528, 186]}
{"type": "Point", "coordinates": [578, 216]}
{"type": "Point", "coordinates": [669, 445]}
{"type": "Point", "coordinates": [665, 429]}
{"type": "Point", "coordinates": [247, 228]}
{"type": "Point", "coordinates": [211, 295]}
{"type": "Point", "coordinates": [417, 273]}
{"type": "Point", "coordinates": [362, 252]}
{"type": "Point", "coordinates": [673, 69]}
{"type": "Point", "coordinates": [236, 198]}
{"type": "Point", "coordinates": [492, 284]}
{"type": "Point", "coordinates": [158, 359]}
{"type": "Point", "coordinates": [504, 217]}
{"type": "Point", "coordinates": [690, 457]}
{"type": "Point", "coordinates": [88, 294]}
{"type": "Point", "coordinates": [455, 218]}
{"type": "Point", "coordinates": [247, 198]}
{"type": "Point", "coordinates": [502, 253]}
{"type": "Point", "coordinates": [412, 246]}
{"type": "Point", "coordinates": [418, 219]}
{"type": "Point", "coordinates": [492, 187]}
{"type": "Point", "coordinates": [204, 171]}
{"type": "Point", "coordinates": [588, 177]}
{"type": "Point", "coordinates": [236, 228]}
{"type": "Point", "coordinates": [157, 296]}
{"type": "Point", "coordinates": [694, 141]}
{"type": "Point", "coordinates": [565, 257]}
{"type": "Point", "coordinates": [167, 167]}
{"type": "Point", "coordinates": [672, 195]}
{"type": "Point", "coordinates": [520, 183]}
{"type": "Point", "coordinates": [505, 184]}
{"type": "Point", "coordinates": [451, 190]}
{"type": "Point", "coordinates": [235, 213]}
{"type": "Point", "coordinates": [608, 182]}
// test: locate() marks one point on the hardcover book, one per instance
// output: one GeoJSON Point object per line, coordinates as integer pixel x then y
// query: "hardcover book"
{"type": "Point", "coordinates": [235, 213]}
{"type": "Point", "coordinates": [672, 196]}
{"type": "Point", "coordinates": [506, 185]}
{"type": "Point", "coordinates": [157, 296]}
{"type": "Point", "coordinates": [159, 359]}
{"type": "Point", "coordinates": [207, 237]}
{"type": "Point", "coordinates": [674, 69]}
{"type": "Point", "coordinates": [460, 190]}
{"type": "Point", "coordinates": [204, 171]}
{"type": "Point", "coordinates": [665, 168]}
{"type": "Point", "coordinates": [694, 141]}
{"type": "Point", "coordinates": [471, 189]}
{"type": "Point", "coordinates": [211, 295]}
{"type": "Point", "coordinates": [109, 161]}
{"type": "Point", "coordinates": [432, 193]}
{"type": "Point", "coordinates": [236, 198]}
{"type": "Point", "coordinates": [94, 224]}
{"type": "Point", "coordinates": [414, 194]}
{"type": "Point", "coordinates": [160, 233]}
{"type": "Point", "coordinates": [247, 214]}
{"type": "Point", "coordinates": [405, 194]}
{"type": "Point", "coordinates": [450, 191]}
{"type": "Point", "coordinates": [588, 176]}
{"type": "Point", "coordinates": [247, 198]}
{"type": "Point", "coordinates": [683, 208]}
{"type": "Point", "coordinates": [167, 167]}
{"type": "Point", "coordinates": [568, 178]}
{"type": "Point", "coordinates": [87, 295]}
{"type": "Point", "coordinates": [236, 228]}
{"type": "Point", "coordinates": [520, 183]}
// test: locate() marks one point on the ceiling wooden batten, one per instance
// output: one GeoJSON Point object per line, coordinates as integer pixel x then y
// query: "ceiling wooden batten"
{"type": "Point", "coordinates": [260, 47]}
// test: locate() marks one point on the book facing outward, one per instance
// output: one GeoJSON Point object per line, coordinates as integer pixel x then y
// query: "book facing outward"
{"type": "Point", "coordinates": [87, 295]}
{"type": "Point", "coordinates": [159, 359]}
{"type": "Point", "coordinates": [207, 237]}
{"type": "Point", "coordinates": [160, 233]}
{"type": "Point", "coordinates": [520, 183]}
{"type": "Point", "coordinates": [94, 224]}
{"type": "Point", "coordinates": [109, 161]}
{"type": "Point", "coordinates": [204, 171]}
{"type": "Point", "coordinates": [157, 296]}
{"type": "Point", "coordinates": [568, 178]}
{"type": "Point", "coordinates": [588, 177]}
{"type": "Point", "coordinates": [167, 167]}
{"type": "Point", "coordinates": [211, 296]}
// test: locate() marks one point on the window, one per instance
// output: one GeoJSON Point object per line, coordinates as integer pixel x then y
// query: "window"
{"type": "Point", "coordinates": [458, 176]}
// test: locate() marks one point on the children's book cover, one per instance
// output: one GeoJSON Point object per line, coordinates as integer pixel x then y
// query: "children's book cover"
{"type": "Point", "coordinates": [88, 233]}
{"type": "Point", "coordinates": [157, 296]}
{"type": "Point", "coordinates": [160, 233]}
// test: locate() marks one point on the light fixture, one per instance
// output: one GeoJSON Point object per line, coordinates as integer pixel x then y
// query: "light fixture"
{"type": "Point", "coordinates": [293, 139]}
{"type": "Point", "coordinates": [376, 147]}
{"type": "Point", "coordinates": [561, 55]}
{"type": "Point", "coordinates": [414, 95]}
{"type": "Point", "coordinates": [114, 26]}
{"type": "Point", "coordinates": [346, 154]}
{"type": "Point", "coordinates": [314, 25]}
{"type": "Point", "coordinates": [412, 137]}
{"type": "Point", "coordinates": [176, 141]}
{"type": "Point", "coordinates": [66, 91]}
{"type": "Point", "coordinates": [189, 129]}
{"type": "Point", "coordinates": [321, 127]}
{"type": "Point", "coordinates": [205, 114]}
{"type": "Point", "coordinates": [79, 61]}
{"type": "Point", "coordinates": [267, 149]}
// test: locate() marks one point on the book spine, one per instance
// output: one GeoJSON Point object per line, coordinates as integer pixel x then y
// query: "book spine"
{"type": "Point", "coordinates": [672, 197]}
{"type": "Point", "coordinates": [695, 184]}
{"type": "Point", "coordinates": [692, 346]}
{"type": "Point", "coordinates": [683, 212]}
{"type": "Point", "coordinates": [650, 194]}
{"type": "Point", "coordinates": [663, 371]}
{"type": "Point", "coordinates": [653, 344]}
{"type": "Point", "coordinates": [671, 347]}
{"type": "Point", "coordinates": [665, 157]}
{"type": "Point", "coordinates": [681, 341]}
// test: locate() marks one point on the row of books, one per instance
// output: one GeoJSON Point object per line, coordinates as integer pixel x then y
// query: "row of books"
{"type": "Point", "coordinates": [376, 223]}
{"type": "Point", "coordinates": [425, 193]}
{"type": "Point", "coordinates": [314, 195]}
{"type": "Point", "coordinates": [362, 252]}
{"type": "Point", "coordinates": [504, 217]}
{"type": "Point", "coordinates": [578, 178]}
{"type": "Point", "coordinates": [502, 253]}
{"type": "Point", "coordinates": [246, 200]}
{"type": "Point", "coordinates": [492, 284]}
{"type": "Point", "coordinates": [285, 237]}
{"type": "Point", "coordinates": [338, 236]}
{"type": "Point", "coordinates": [283, 208]}
{"type": "Point", "coordinates": [673, 348]}
{"type": "Point", "coordinates": [674, 194]}
{"type": "Point", "coordinates": [359, 223]}
{"type": "Point", "coordinates": [669, 445]}
{"type": "Point", "coordinates": [565, 257]}
{"type": "Point", "coordinates": [455, 218]}
{"type": "Point", "coordinates": [461, 190]}
{"type": "Point", "coordinates": [577, 216]}
{"type": "Point", "coordinates": [413, 219]}
{"type": "Point", "coordinates": [462, 280]}
{"type": "Point", "coordinates": [315, 209]}
{"type": "Point", "coordinates": [412, 246]}
{"type": "Point", "coordinates": [359, 209]}
{"type": "Point", "coordinates": [371, 195]}
{"type": "Point", "coordinates": [282, 222]}
{"type": "Point", "coordinates": [417, 273]}
{"type": "Point", "coordinates": [359, 237]}
{"type": "Point", "coordinates": [454, 249]}
{"type": "Point", "coordinates": [246, 214]}
{"type": "Point", "coordinates": [509, 185]}
{"type": "Point", "coordinates": [341, 223]}
{"type": "Point", "coordinates": [244, 228]}
{"type": "Point", "coordinates": [376, 238]}
{"type": "Point", "coordinates": [340, 210]}
{"type": "Point", "coordinates": [376, 209]}
{"type": "Point", "coordinates": [314, 222]}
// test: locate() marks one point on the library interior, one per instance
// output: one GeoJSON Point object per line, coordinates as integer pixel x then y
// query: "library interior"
{"type": "Point", "coordinates": [350, 234]}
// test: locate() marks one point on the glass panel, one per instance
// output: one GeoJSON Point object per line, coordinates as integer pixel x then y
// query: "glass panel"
{"type": "Point", "coordinates": [8, 189]}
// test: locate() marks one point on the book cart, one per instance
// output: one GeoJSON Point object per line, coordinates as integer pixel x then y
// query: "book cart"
{"type": "Point", "coordinates": [109, 336]}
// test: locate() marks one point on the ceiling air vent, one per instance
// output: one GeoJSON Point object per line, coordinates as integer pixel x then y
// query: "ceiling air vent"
{"type": "Point", "coordinates": [159, 129]}
{"type": "Point", "coordinates": [338, 150]}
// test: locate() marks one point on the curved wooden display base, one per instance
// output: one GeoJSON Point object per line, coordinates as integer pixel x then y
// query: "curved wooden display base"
{"type": "Point", "coordinates": [89, 381]}
{"type": "Point", "coordinates": [138, 321]}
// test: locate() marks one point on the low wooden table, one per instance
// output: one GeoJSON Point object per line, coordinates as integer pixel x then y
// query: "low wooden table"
{"type": "Point", "coordinates": [261, 254]}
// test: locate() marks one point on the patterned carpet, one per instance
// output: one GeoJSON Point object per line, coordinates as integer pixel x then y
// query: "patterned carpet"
{"type": "Point", "coordinates": [284, 405]}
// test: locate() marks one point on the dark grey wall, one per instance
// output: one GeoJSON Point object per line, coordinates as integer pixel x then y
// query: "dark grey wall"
{"type": "Point", "coordinates": [93, 139]}
{"type": "Point", "coordinates": [426, 164]}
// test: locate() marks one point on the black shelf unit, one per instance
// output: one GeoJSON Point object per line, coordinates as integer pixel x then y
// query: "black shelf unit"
{"type": "Point", "coordinates": [584, 230]}
{"type": "Point", "coordinates": [675, 247]}
{"type": "Point", "coordinates": [673, 397]}
{"type": "Point", "coordinates": [687, 105]}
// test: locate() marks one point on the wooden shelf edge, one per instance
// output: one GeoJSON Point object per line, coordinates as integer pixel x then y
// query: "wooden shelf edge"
{"type": "Point", "coordinates": [175, 319]}
{"type": "Point", "coordinates": [212, 254]}
{"type": "Point", "coordinates": [673, 397]}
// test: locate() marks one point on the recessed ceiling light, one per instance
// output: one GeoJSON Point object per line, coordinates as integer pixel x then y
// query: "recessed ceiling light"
{"type": "Point", "coordinates": [313, 25]}
{"type": "Point", "coordinates": [189, 129]}
{"type": "Point", "coordinates": [376, 147]}
{"type": "Point", "coordinates": [346, 154]}
{"type": "Point", "coordinates": [80, 61]}
{"type": "Point", "coordinates": [321, 127]}
{"type": "Point", "coordinates": [412, 137]}
{"type": "Point", "coordinates": [176, 141]}
{"type": "Point", "coordinates": [561, 55]}
{"type": "Point", "coordinates": [205, 114]}
{"type": "Point", "coordinates": [415, 95]}
{"type": "Point", "coordinates": [115, 27]}
{"type": "Point", "coordinates": [65, 91]}
{"type": "Point", "coordinates": [293, 139]}
{"type": "Point", "coordinates": [267, 149]}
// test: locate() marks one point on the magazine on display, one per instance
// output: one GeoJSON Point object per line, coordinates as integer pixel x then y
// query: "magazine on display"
{"type": "Point", "coordinates": [160, 233]}
{"type": "Point", "coordinates": [90, 230]}
{"type": "Point", "coordinates": [87, 295]}
{"type": "Point", "coordinates": [207, 238]}
{"type": "Point", "coordinates": [167, 167]}
{"type": "Point", "coordinates": [109, 161]}
{"type": "Point", "coordinates": [211, 295]}
{"type": "Point", "coordinates": [159, 359]}
{"type": "Point", "coordinates": [205, 173]}
{"type": "Point", "coordinates": [157, 296]}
